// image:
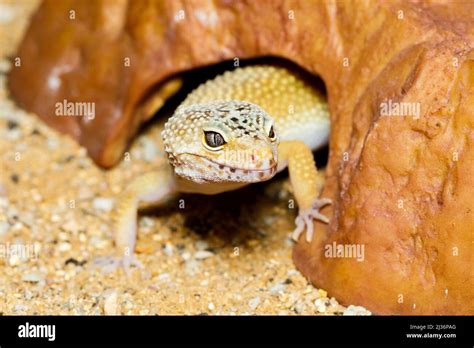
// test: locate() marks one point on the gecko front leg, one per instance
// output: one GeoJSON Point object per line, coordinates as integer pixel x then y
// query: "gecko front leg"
{"type": "Point", "coordinates": [156, 187]}
{"type": "Point", "coordinates": [307, 184]}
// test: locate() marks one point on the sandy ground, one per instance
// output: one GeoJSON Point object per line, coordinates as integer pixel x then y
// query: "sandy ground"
{"type": "Point", "coordinates": [226, 254]}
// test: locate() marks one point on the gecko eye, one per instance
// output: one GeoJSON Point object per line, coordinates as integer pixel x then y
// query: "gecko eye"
{"type": "Point", "coordinates": [271, 134]}
{"type": "Point", "coordinates": [214, 140]}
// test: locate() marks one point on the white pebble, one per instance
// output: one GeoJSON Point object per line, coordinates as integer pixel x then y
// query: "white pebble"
{"type": "Point", "coordinates": [104, 204]}
{"type": "Point", "coordinates": [169, 249]}
{"type": "Point", "coordinates": [191, 268]}
{"type": "Point", "coordinates": [146, 222]}
{"type": "Point", "coordinates": [319, 302]}
{"type": "Point", "coordinates": [299, 307]}
{"type": "Point", "coordinates": [203, 254]}
{"type": "Point", "coordinates": [202, 245]}
{"type": "Point", "coordinates": [33, 277]}
{"type": "Point", "coordinates": [64, 247]}
{"type": "Point", "coordinates": [3, 202]}
{"type": "Point", "coordinates": [186, 256]}
{"type": "Point", "coordinates": [321, 309]}
{"type": "Point", "coordinates": [20, 308]}
{"type": "Point", "coordinates": [253, 303]}
{"type": "Point", "coordinates": [52, 143]}
{"type": "Point", "coordinates": [4, 227]}
{"type": "Point", "coordinates": [277, 288]}
{"type": "Point", "coordinates": [163, 276]}
{"type": "Point", "coordinates": [356, 310]}
{"type": "Point", "coordinates": [14, 260]}
{"type": "Point", "coordinates": [110, 303]}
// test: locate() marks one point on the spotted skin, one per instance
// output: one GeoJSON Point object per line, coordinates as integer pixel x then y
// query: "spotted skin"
{"type": "Point", "coordinates": [240, 128]}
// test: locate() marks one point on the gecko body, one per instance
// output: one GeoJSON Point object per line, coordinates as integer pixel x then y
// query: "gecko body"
{"type": "Point", "coordinates": [240, 128]}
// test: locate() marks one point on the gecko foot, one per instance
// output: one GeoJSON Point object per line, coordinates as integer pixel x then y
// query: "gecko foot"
{"type": "Point", "coordinates": [110, 264]}
{"type": "Point", "coordinates": [305, 219]}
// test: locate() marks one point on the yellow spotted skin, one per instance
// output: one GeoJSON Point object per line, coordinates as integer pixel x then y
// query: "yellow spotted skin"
{"type": "Point", "coordinates": [300, 111]}
{"type": "Point", "coordinates": [239, 128]}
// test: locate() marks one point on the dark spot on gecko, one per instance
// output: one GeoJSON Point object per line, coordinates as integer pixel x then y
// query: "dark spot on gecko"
{"type": "Point", "coordinates": [35, 132]}
{"type": "Point", "coordinates": [12, 125]}
{"type": "Point", "coordinates": [288, 281]}
{"type": "Point", "coordinates": [232, 170]}
{"type": "Point", "coordinates": [221, 166]}
{"type": "Point", "coordinates": [235, 119]}
{"type": "Point", "coordinates": [15, 178]}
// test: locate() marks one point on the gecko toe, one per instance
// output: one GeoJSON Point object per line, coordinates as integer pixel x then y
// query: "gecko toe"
{"type": "Point", "coordinates": [305, 218]}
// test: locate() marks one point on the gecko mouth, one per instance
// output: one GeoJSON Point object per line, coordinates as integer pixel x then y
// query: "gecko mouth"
{"type": "Point", "coordinates": [241, 174]}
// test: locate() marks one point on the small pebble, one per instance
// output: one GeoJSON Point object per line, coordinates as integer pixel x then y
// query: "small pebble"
{"type": "Point", "coordinates": [356, 310]}
{"type": "Point", "coordinates": [146, 222]}
{"type": "Point", "coordinates": [202, 245]}
{"type": "Point", "coordinates": [14, 260]}
{"type": "Point", "coordinates": [163, 276]}
{"type": "Point", "coordinates": [33, 277]}
{"type": "Point", "coordinates": [103, 204]}
{"type": "Point", "coordinates": [12, 124]}
{"type": "Point", "coordinates": [4, 227]}
{"type": "Point", "coordinates": [203, 254]}
{"type": "Point", "coordinates": [299, 307]}
{"type": "Point", "coordinates": [110, 303]}
{"type": "Point", "coordinates": [211, 306]}
{"type": "Point", "coordinates": [52, 143]}
{"type": "Point", "coordinates": [191, 268]}
{"type": "Point", "coordinates": [253, 303]}
{"type": "Point", "coordinates": [20, 308]}
{"type": "Point", "coordinates": [322, 293]}
{"type": "Point", "coordinates": [168, 249]}
{"type": "Point", "coordinates": [3, 202]}
{"type": "Point", "coordinates": [321, 309]}
{"type": "Point", "coordinates": [63, 247]}
{"type": "Point", "coordinates": [320, 302]}
{"type": "Point", "coordinates": [277, 288]}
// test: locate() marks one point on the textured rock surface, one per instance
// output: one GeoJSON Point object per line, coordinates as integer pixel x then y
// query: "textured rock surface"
{"type": "Point", "coordinates": [402, 186]}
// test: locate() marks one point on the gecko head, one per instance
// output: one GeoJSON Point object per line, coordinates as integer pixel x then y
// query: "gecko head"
{"type": "Point", "coordinates": [222, 141]}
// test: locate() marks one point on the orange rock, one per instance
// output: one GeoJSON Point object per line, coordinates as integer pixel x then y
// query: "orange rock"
{"type": "Point", "coordinates": [402, 186]}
